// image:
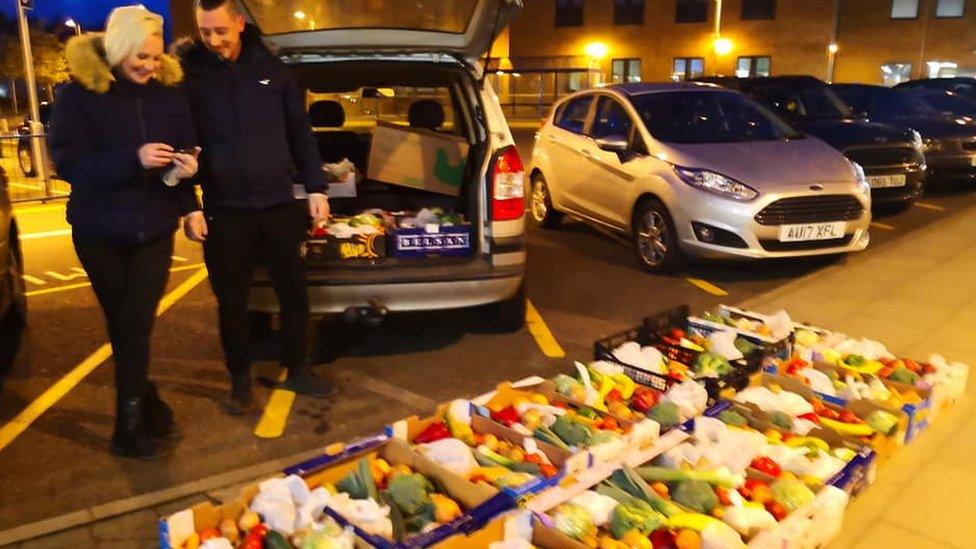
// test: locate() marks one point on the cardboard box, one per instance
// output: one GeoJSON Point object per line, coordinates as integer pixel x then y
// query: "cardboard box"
{"type": "Point", "coordinates": [566, 462]}
{"type": "Point", "coordinates": [436, 240]}
{"type": "Point", "coordinates": [357, 247]}
{"type": "Point", "coordinates": [520, 524]}
{"type": "Point", "coordinates": [418, 158]}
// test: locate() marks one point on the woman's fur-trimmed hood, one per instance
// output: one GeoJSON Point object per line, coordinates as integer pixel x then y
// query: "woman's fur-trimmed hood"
{"type": "Point", "coordinates": [87, 64]}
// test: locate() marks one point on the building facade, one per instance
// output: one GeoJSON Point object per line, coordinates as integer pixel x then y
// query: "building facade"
{"type": "Point", "coordinates": [876, 41]}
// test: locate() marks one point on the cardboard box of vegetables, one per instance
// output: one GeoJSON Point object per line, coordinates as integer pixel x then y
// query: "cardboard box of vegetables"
{"type": "Point", "coordinates": [483, 451]}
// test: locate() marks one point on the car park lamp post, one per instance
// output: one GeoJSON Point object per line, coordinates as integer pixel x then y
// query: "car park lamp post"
{"type": "Point", "coordinates": [832, 50]}
{"type": "Point", "coordinates": [596, 52]}
{"type": "Point", "coordinates": [37, 128]}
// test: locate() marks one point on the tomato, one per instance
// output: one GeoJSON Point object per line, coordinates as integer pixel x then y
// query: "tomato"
{"type": "Point", "coordinates": [766, 465]}
{"type": "Point", "coordinates": [778, 511]}
{"type": "Point", "coordinates": [613, 396]}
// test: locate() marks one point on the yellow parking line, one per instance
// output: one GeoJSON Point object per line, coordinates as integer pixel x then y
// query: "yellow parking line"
{"type": "Point", "coordinates": [276, 411]}
{"type": "Point", "coordinates": [884, 226]}
{"type": "Point", "coordinates": [45, 234]}
{"type": "Point", "coordinates": [22, 210]}
{"type": "Point", "coordinates": [707, 287]}
{"type": "Point", "coordinates": [87, 284]}
{"type": "Point", "coordinates": [543, 337]}
{"type": "Point", "coordinates": [928, 206]}
{"type": "Point", "coordinates": [50, 397]}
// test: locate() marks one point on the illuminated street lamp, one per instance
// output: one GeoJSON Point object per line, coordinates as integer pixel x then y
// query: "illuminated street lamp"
{"type": "Point", "coordinates": [72, 24]}
{"type": "Point", "coordinates": [832, 50]}
{"type": "Point", "coordinates": [300, 15]}
{"type": "Point", "coordinates": [723, 46]}
{"type": "Point", "coordinates": [596, 51]}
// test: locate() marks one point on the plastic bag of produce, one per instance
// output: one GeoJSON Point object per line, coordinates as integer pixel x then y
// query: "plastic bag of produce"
{"type": "Point", "coordinates": [452, 454]}
{"type": "Point", "coordinates": [599, 506]}
{"type": "Point", "coordinates": [689, 396]}
{"type": "Point", "coordinates": [723, 343]}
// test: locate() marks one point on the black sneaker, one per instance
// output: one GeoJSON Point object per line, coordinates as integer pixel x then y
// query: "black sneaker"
{"type": "Point", "coordinates": [304, 382]}
{"type": "Point", "coordinates": [241, 400]}
{"type": "Point", "coordinates": [132, 437]}
{"type": "Point", "coordinates": [158, 415]}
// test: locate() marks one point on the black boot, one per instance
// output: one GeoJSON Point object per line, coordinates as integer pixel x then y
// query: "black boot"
{"type": "Point", "coordinates": [159, 416]}
{"type": "Point", "coordinates": [132, 437]}
{"type": "Point", "coordinates": [303, 382]}
{"type": "Point", "coordinates": [241, 399]}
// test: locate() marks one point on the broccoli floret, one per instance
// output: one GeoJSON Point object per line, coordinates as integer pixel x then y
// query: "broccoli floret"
{"type": "Point", "coordinates": [410, 492]}
{"type": "Point", "coordinates": [634, 515]}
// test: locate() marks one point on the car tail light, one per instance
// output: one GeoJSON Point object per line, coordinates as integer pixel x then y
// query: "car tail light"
{"type": "Point", "coordinates": [508, 186]}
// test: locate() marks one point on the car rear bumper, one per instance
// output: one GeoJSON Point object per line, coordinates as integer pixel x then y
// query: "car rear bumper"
{"type": "Point", "coordinates": [447, 286]}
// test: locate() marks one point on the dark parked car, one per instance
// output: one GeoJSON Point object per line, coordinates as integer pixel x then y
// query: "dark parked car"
{"type": "Point", "coordinates": [962, 85]}
{"type": "Point", "coordinates": [949, 141]}
{"type": "Point", "coordinates": [890, 156]}
{"type": "Point", "coordinates": [13, 298]}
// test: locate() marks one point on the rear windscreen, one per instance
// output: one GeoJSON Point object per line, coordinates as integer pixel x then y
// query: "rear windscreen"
{"type": "Point", "coordinates": [427, 108]}
{"type": "Point", "coordinates": [284, 16]}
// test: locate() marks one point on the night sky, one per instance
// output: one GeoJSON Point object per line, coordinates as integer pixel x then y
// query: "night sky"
{"type": "Point", "coordinates": [90, 13]}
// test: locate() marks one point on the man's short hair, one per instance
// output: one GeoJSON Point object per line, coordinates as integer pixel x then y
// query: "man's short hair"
{"type": "Point", "coordinates": [210, 5]}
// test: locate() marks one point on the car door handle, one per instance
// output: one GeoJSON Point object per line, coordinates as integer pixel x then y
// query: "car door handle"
{"type": "Point", "coordinates": [586, 153]}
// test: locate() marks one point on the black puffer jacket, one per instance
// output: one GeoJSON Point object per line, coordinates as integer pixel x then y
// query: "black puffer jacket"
{"type": "Point", "coordinates": [97, 127]}
{"type": "Point", "coordinates": [250, 116]}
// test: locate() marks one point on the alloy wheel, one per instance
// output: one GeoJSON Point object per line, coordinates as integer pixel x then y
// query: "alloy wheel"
{"type": "Point", "coordinates": [652, 238]}
{"type": "Point", "coordinates": [539, 198]}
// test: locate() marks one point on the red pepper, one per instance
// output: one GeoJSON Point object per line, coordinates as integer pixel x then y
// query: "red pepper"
{"type": "Point", "coordinates": [677, 333]}
{"type": "Point", "coordinates": [643, 400]}
{"type": "Point", "coordinates": [766, 465]}
{"type": "Point", "coordinates": [548, 471]}
{"type": "Point", "coordinates": [435, 431]}
{"type": "Point", "coordinates": [810, 416]}
{"type": "Point", "coordinates": [255, 537]}
{"type": "Point", "coordinates": [614, 396]}
{"type": "Point", "coordinates": [662, 538]}
{"type": "Point", "coordinates": [848, 417]}
{"type": "Point", "coordinates": [507, 416]}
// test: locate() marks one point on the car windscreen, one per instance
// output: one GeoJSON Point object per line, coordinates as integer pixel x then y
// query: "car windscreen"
{"type": "Point", "coordinates": [450, 16]}
{"type": "Point", "coordinates": [948, 103]}
{"type": "Point", "coordinates": [709, 117]}
{"type": "Point", "coordinates": [899, 104]}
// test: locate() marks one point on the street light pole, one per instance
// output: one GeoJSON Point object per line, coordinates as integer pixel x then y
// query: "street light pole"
{"type": "Point", "coordinates": [717, 34]}
{"type": "Point", "coordinates": [72, 24]}
{"type": "Point", "coordinates": [37, 128]}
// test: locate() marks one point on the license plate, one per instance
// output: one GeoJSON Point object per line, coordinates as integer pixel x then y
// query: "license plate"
{"type": "Point", "coordinates": [812, 231]}
{"type": "Point", "coordinates": [885, 181]}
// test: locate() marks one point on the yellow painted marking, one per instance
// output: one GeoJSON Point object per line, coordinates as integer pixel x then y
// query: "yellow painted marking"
{"type": "Point", "coordinates": [87, 284]}
{"type": "Point", "coordinates": [78, 273]}
{"type": "Point", "coordinates": [543, 337]}
{"type": "Point", "coordinates": [707, 287]}
{"type": "Point", "coordinates": [23, 210]}
{"type": "Point", "coordinates": [34, 280]}
{"type": "Point", "coordinates": [50, 397]}
{"type": "Point", "coordinates": [181, 259]}
{"type": "Point", "coordinates": [276, 411]}
{"type": "Point", "coordinates": [45, 234]}
{"type": "Point", "coordinates": [928, 206]}
{"type": "Point", "coordinates": [884, 226]}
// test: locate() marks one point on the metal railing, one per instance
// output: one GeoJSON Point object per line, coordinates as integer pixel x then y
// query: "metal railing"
{"type": "Point", "coordinates": [20, 158]}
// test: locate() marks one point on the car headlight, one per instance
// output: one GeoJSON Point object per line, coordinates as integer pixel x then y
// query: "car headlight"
{"type": "Point", "coordinates": [716, 183]}
{"type": "Point", "coordinates": [862, 181]}
{"type": "Point", "coordinates": [917, 140]}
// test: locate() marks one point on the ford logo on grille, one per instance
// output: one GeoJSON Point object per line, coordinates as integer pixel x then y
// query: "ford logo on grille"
{"type": "Point", "coordinates": [816, 187]}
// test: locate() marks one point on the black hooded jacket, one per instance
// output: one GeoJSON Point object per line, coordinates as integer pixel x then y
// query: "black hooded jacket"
{"type": "Point", "coordinates": [98, 124]}
{"type": "Point", "coordinates": [250, 118]}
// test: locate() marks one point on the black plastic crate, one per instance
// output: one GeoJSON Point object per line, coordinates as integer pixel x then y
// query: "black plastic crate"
{"type": "Point", "coordinates": [651, 332]}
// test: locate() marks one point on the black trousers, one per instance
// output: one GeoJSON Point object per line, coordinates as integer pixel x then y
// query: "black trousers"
{"type": "Point", "coordinates": [129, 280]}
{"type": "Point", "coordinates": [239, 239]}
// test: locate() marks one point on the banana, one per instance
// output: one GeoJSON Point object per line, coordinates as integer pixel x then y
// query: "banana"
{"type": "Point", "coordinates": [691, 521]}
{"type": "Point", "coordinates": [852, 429]}
{"type": "Point", "coordinates": [813, 443]}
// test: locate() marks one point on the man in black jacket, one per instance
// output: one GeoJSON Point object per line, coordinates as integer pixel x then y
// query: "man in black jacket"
{"type": "Point", "coordinates": [250, 118]}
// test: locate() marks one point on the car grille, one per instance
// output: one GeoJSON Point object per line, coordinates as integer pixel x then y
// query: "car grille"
{"type": "Point", "coordinates": [777, 246]}
{"type": "Point", "coordinates": [871, 157]}
{"type": "Point", "coordinates": [811, 209]}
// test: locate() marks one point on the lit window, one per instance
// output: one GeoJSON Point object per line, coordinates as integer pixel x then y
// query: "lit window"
{"type": "Point", "coordinates": [626, 70]}
{"type": "Point", "coordinates": [757, 65]}
{"type": "Point", "coordinates": [950, 8]}
{"type": "Point", "coordinates": [687, 68]}
{"type": "Point", "coordinates": [896, 73]}
{"type": "Point", "coordinates": [904, 9]}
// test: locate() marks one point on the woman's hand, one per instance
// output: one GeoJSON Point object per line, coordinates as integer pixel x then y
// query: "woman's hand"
{"type": "Point", "coordinates": [156, 155]}
{"type": "Point", "coordinates": [184, 165]}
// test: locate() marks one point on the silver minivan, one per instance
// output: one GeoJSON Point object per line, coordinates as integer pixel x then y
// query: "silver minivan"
{"type": "Point", "coordinates": [373, 63]}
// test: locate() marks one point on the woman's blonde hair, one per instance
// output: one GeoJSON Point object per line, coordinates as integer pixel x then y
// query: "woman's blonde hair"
{"type": "Point", "coordinates": [127, 29]}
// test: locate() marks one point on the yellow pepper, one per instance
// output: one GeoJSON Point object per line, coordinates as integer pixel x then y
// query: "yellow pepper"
{"type": "Point", "coordinates": [445, 508]}
{"type": "Point", "coordinates": [636, 540]}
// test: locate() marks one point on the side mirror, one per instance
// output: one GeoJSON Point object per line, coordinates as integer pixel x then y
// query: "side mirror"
{"type": "Point", "coordinates": [613, 143]}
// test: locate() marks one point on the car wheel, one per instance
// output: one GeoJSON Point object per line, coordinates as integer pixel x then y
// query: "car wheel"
{"type": "Point", "coordinates": [509, 315]}
{"type": "Point", "coordinates": [25, 159]}
{"type": "Point", "coordinates": [543, 213]}
{"type": "Point", "coordinates": [12, 324]}
{"type": "Point", "coordinates": [655, 239]}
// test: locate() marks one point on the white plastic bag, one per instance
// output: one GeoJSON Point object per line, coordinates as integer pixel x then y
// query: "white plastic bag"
{"type": "Point", "coordinates": [450, 453]}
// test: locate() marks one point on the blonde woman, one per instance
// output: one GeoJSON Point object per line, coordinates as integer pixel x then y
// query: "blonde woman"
{"type": "Point", "coordinates": [122, 136]}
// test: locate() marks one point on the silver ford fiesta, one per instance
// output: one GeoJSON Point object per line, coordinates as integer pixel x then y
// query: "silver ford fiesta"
{"type": "Point", "coordinates": [692, 169]}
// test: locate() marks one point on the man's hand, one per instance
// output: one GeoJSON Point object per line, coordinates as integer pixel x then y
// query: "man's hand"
{"type": "Point", "coordinates": [318, 206]}
{"type": "Point", "coordinates": [195, 226]}
{"type": "Point", "coordinates": [155, 155]}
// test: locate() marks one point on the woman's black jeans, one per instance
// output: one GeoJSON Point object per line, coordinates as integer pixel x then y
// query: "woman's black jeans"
{"type": "Point", "coordinates": [129, 280]}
